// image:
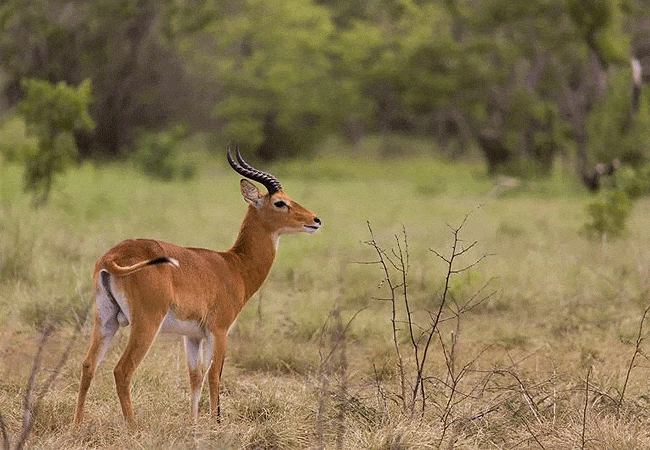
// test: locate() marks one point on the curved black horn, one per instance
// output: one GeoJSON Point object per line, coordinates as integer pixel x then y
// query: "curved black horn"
{"type": "Point", "coordinates": [243, 168]}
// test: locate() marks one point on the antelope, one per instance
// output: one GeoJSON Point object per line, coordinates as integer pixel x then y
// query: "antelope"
{"type": "Point", "coordinates": [154, 287]}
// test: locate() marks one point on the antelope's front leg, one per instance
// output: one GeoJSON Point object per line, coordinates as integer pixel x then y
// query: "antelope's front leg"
{"type": "Point", "coordinates": [214, 374]}
{"type": "Point", "coordinates": [195, 369]}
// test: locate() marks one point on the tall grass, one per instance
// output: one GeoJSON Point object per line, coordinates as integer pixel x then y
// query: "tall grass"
{"type": "Point", "coordinates": [563, 307]}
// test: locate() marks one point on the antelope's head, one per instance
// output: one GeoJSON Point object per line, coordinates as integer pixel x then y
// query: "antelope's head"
{"type": "Point", "coordinates": [276, 212]}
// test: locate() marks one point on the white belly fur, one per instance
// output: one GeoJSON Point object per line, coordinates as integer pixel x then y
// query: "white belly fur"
{"type": "Point", "coordinates": [189, 328]}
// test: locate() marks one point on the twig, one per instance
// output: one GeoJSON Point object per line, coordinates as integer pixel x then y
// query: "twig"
{"type": "Point", "coordinates": [437, 319]}
{"type": "Point", "coordinates": [584, 411]}
{"type": "Point", "coordinates": [320, 414]}
{"type": "Point", "coordinates": [28, 404]}
{"type": "Point", "coordinates": [381, 396]}
{"type": "Point", "coordinates": [337, 342]}
{"type": "Point", "coordinates": [5, 435]}
{"type": "Point", "coordinates": [31, 405]}
{"type": "Point", "coordinates": [400, 361]}
{"type": "Point", "coordinates": [637, 350]}
{"type": "Point", "coordinates": [534, 436]}
{"type": "Point", "coordinates": [395, 264]}
{"type": "Point", "coordinates": [453, 386]}
{"type": "Point", "coordinates": [527, 397]}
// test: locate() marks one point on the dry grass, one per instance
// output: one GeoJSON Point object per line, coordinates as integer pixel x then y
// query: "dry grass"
{"type": "Point", "coordinates": [545, 357]}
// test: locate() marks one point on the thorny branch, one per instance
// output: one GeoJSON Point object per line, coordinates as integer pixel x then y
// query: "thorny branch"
{"type": "Point", "coordinates": [420, 337]}
{"type": "Point", "coordinates": [337, 343]}
{"type": "Point", "coordinates": [637, 350]}
{"type": "Point", "coordinates": [383, 259]}
{"type": "Point", "coordinates": [32, 400]}
{"type": "Point", "coordinates": [584, 412]}
{"type": "Point", "coordinates": [29, 407]}
{"type": "Point", "coordinates": [5, 434]}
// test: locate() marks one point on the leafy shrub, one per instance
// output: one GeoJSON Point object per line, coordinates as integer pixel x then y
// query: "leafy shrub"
{"type": "Point", "coordinates": [52, 113]}
{"type": "Point", "coordinates": [610, 211]}
{"type": "Point", "coordinates": [15, 141]}
{"type": "Point", "coordinates": [157, 155]}
{"type": "Point", "coordinates": [635, 182]}
{"type": "Point", "coordinates": [612, 134]}
{"type": "Point", "coordinates": [608, 216]}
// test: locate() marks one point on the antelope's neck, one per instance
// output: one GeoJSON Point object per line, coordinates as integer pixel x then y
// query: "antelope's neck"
{"type": "Point", "coordinates": [255, 251]}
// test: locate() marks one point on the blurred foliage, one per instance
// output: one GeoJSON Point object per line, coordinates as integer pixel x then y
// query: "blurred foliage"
{"type": "Point", "coordinates": [126, 48]}
{"type": "Point", "coordinates": [612, 131]}
{"type": "Point", "coordinates": [16, 253]}
{"type": "Point", "coordinates": [635, 182]}
{"type": "Point", "coordinates": [41, 313]}
{"type": "Point", "coordinates": [521, 81]}
{"type": "Point", "coordinates": [157, 155]}
{"type": "Point", "coordinates": [15, 140]}
{"type": "Point", "coordinates": [272, 60]}
{"type": "Point", "coordinates": [607, 216]}
{"type": "Point", "coordinates": [51, 113]}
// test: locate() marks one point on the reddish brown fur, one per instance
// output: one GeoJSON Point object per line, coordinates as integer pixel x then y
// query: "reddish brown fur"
{"type": "Point", "coordinates": [208, 287]}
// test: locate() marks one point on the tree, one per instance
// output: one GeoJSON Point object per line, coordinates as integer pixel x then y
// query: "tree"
{"type": "Point", "coordinates": [52, 113]}
{"type": "Point", "coordinates": [271, 59]}
{"type": "Point", "coordinates": [126, 48]}
{"type": "Point", "coordinates": [520, 79]}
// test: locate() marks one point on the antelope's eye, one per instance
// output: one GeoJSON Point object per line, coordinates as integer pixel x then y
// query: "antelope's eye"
{"type": "Point", "coordinates": [279, 204]}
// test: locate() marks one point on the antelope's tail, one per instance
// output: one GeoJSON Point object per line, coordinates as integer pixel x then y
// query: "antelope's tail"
{"type": "Point", "coordinates": [113, 268]}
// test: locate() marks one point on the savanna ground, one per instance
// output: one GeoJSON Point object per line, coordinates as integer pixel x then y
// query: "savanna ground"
{"type": "Point", "coordinates": [541, 358]}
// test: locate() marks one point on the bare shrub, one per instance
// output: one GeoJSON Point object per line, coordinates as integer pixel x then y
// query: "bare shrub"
{"type": "Point", "coordinates": [35, 391]}
{"type": "Point", "coordinates": [333, 383]}
{"type": "Point", "coordinates": [414, 340]}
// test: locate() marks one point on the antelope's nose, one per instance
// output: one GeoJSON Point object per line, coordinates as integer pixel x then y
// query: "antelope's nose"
{"type": "Point", "coordinates": [317, 221]}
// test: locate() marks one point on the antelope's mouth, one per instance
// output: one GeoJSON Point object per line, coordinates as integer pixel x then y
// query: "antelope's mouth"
{"type": "Point", "coordinates": [311, 228]}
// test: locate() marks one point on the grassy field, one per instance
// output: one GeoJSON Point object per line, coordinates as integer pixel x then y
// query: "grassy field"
{"type": "Point", "coordinates": [543, 359]}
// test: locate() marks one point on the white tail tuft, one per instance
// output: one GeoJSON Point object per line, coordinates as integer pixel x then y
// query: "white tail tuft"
{"type": "Point", "coordinates": [174, 262]}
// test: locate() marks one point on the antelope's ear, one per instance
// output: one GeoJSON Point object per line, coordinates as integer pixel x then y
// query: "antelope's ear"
{"type": "Point", "coordinates": [251, 194]}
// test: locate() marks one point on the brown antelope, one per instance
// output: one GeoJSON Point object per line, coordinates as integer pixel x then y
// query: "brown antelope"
{"type": "Point", "coordinates": [157, 287]}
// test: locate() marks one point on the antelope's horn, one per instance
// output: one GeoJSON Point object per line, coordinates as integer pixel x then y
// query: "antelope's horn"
{"type": "Point", "coordinates": [243, 168]}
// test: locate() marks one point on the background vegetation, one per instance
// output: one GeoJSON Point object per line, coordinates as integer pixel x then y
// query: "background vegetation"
{"type": "Point", "coordinates": [466, 291]}
{"type": "Point", "coordinates": [522, 82]}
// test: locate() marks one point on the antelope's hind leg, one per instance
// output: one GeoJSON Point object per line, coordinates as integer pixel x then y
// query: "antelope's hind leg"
{"type": "Point", "coordinates": [104, 327]}
{"type": "Point", "coordinates": [143, 332]}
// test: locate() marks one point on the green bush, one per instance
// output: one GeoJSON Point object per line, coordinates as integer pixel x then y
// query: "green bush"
{"type": "Point", "coordinates": [52, 113]}
{"type": "Point", "coordinates": [635, 182]}
{"type": "Point", "coordinates": [15, 142]}
{"type": "Point", "coordinates": [608, 216]}
{"type": "Point", "coordinates": [611, 131]}
{"type": "Point", "coordinates": [157, 155]}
